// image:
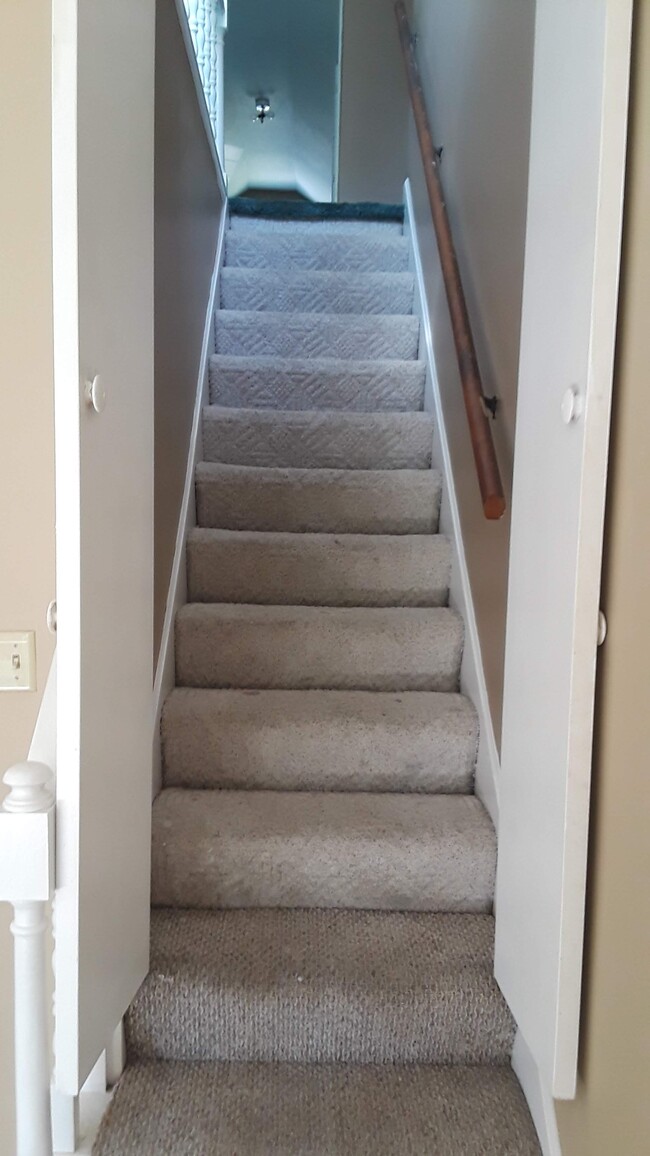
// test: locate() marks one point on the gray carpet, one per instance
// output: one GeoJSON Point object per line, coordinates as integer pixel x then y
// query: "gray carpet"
{"type": "Point", "coordinates": [316, 292]}
{"type": "Point", "coordinates": [318, 439]}
{"type": "Point", "coordinates": [247, 212]}
{"type": "Point", "coordinates": [316, 383]}
{"type": "Point", "coordinates": [318, 647]}
{"type": "Point", "coordinates": [321, 501]}
{"type": "Point", "coordinates": [321, 978]}
{"type": "Point", "coordinates": [320, 986]}
{"type": "Point", "coordinates": [320, 740]}
{"type": "Point", "coordinates": [318, 569]}
{"type": "Point", "coordinates": [400, 852]}
{"type": "Point", "coordinates": [243, 333]}
{"type": "Point", "coordinates": [176, 1109]}
{"type": "Point", "coordinates": [290, 249]}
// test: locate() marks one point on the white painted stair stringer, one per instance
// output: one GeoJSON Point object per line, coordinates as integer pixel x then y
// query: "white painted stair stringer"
{"type": "Point", "coordinates": [472, 678]}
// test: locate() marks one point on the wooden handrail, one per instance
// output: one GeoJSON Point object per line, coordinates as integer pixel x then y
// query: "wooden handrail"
{"type": "Point", "coordinates": [487, 468]}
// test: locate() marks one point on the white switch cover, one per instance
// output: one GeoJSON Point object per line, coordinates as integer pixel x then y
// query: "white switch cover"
{"type": "Point", "coordinates": [18, 660]}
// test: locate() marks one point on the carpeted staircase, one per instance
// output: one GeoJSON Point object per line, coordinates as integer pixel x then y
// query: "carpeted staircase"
{"type": "Point", "coordinates": [322, 884]}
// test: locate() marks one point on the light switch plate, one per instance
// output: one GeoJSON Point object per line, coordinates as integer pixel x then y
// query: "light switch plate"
{"type": "Point", "coordinates": [17, 660]}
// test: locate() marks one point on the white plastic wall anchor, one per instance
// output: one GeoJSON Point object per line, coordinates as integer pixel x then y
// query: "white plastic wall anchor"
{"type": "Point", "coordinates": [27, 881]}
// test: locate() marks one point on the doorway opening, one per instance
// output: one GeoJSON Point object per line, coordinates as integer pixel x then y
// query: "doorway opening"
{"type": "Point", "coordinates": [282, 99]}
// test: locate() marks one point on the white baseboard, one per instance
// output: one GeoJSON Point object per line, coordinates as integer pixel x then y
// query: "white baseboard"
{"type": "Point", "coordinates": [472, 679]}
{"type": "Point", "coordinates": [177, 593]}
{"type": "Point", "coordinates": [539, 1099]}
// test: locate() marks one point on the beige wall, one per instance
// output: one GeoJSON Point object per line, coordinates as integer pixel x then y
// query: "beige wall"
{"type": "Point", "coordinates": [611, 1114]}
{"type": "Point", "coordinates": [26, 406]}
{"type": "Point", "coordinates": [187, 213]}
{"type": "Point", "coordinates": [374, 105]}
{"type": "Point", "coordinates": [476, 60]}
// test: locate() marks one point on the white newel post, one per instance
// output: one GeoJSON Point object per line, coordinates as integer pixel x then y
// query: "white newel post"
{"type": "Point", "coordinates": [27, 881]}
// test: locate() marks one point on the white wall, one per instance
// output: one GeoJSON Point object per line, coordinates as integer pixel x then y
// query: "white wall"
{"type": "Point", "coordinates": [288, 52]}
{"type": "Point", "coordinates": [27, 421]}
{"type": "Point", "coordinates": [476, 61]}
{"type": "Point", "coordinates": [373, 161]}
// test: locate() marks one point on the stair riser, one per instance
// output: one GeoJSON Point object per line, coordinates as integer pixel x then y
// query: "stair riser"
{"type": "Point", "coordinates": [318, 570]}
{"type": "Point", "coordinates": [319, 741]}
{"type": "Point", "coordinates": [174, 1109]}
{"type": "Point", "coordinates": [354, 393]}
{"type": "Point", "coordinates": [368, 852]}
{"type": "Point", "coordinates": [348, 254]}
{"type": "Point", "coordinates": [318, 441]}
{"type": "Point", "coordinates": [373, 294]}
{"type": "Point", "coordinates": [352, 502]}
{"type": "Point", "coordinates": [268, 225]}
{"type": "Point", "coordinates": [215, 1026]}
{"type": "Point", "coordinates": [262, 383]}
{"type": "Point", "coordinates": [320, 986]}
{"type": "Point", "coordinates": [335, 652]}
{"type": "Point", "coordinates": [242, 334]}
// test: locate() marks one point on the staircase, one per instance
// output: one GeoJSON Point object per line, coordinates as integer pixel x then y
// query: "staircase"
{"type": "Point", "coordinates": [322, 883]}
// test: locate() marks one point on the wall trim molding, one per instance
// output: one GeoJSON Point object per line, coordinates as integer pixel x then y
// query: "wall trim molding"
{"type": "Point", "coordinates": [164, 680]}
{"type": "Point", "coordinates": [472, 677]}
{"type": "Point", "coordinates": [538, 1097]}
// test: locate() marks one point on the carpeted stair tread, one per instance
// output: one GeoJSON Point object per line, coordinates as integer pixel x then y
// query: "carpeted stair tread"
{"type": "Point", "coordinates": [370, 252]}
{"type": "Point", "coordinates": [208, 1109]}
{"type": "Point", "coordinates": [322, 849]}
{"type": "Point", "coordinates": [318, 647]}
{"type": "Point", "coordinates": [243, 333]}
{"type": "Point", "coordinates": [320, 985]}
{"type": "Point", "coordinates": [318, 291]}
{"type": "Point", "coordinates": [318, 501]}
{"type": "Point", "coordinates": [318, 569]}
{"type": "Point", "coordinates": [292, 209]}
{"type": "Point", "coordinates": [319, 740]}
{"type": "Point", "coordinates": [326, 439]}
{"type": "Point", "coordinates": [316, 383]}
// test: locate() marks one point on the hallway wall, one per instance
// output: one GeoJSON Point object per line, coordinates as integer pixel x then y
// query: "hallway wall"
{"type": "Point", "coordinates": [476, 61]}
{"type": "Point", "coordinates": [374, 105]}
{"type": "Point", "coordinates": [27, 425]}
{"type": "Point", "coordinates": [611, 1113]}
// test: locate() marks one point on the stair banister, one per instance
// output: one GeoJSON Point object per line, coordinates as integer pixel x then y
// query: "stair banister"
{"type": "Point", "coordinates": [27, 841]}
{"type": "Point", "coordinates": [476, 403]}
{"type": "Point", "coordinates": [208, 21]}
{"type": "Point", "coordinates": [27, 881]}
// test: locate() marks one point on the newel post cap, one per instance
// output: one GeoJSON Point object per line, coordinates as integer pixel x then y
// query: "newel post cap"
{"type": "Point", "coordinates": [30, 788]}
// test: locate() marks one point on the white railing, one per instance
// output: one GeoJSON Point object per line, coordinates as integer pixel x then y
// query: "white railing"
{"type": "Point", "coordinates": [208, 21]}
{"type": "Point", "coordinates": [27, 882]}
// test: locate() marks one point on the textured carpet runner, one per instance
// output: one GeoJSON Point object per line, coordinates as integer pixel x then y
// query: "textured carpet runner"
{"type": "Point", "coordinates": [323, 876]}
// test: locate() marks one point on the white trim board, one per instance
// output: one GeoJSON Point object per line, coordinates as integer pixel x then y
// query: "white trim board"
{"type": "Point", "coordinates": [177, 594]}
{"type": "Point", "coordinates": [472, 679]}
{"type": "Point", "coordinates": [538, 1098]}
